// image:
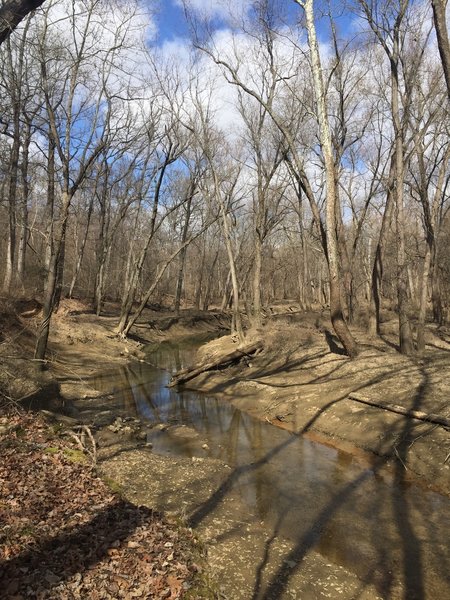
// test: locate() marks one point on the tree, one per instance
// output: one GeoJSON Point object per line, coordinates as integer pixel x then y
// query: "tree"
{"type": "Point", "coordinates": [266, 156]}
{"type": "Point", "coordinates": [440, 24]}
{"type": "Point", "coordinates": [286, 72]}
{"type": "Point", "coordinates": [12, 12]}
{"type": "Point", "coordinates": [388, 27]}
{"type": "Point", "coordinates": [337, 317]}
{"type": "Point", "coordinates": [83, 114]}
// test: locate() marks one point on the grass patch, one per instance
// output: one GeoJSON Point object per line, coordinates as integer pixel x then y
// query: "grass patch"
{"type": "Point", "coordinates": [75, 456]}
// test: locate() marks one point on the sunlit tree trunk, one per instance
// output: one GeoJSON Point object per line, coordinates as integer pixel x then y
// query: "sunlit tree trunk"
{"type": "Point", "coordinates": [52, 276]}
{"type": "Point", "coordinates": [257, 268]}
{"type": "Point", "coordinates": [430, 220]}
{"type": "Point", "coordinates": [377, 269]}
{"type": "Point", "coordinates": [405, 333]}
{"type": "Point", "coordinates": [231, 259]}
{"type": "Point", "coordinates": [81, 250]}
{"type": "Point", "coordinates": [23, 236]}
{"type": "Point", "coordinates": [209, 281]}
{"type": "Point", "coordinates": [13, 171]}
{"type": "Point", "coordinates": [337, 317]}
{"type": "Point", "coordinates": [12, 201]}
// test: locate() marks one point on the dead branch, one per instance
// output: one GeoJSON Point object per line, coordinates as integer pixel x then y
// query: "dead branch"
{"type": "Point", "coordinates": [222, 361]}
{"type": "Point", "coordinates": [413, 414]}
{"type": "Point", "coordinates": [80, 440]}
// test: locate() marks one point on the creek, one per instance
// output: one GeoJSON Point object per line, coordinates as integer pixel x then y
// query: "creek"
{"type": "Point", "coordinates": [290, 518]}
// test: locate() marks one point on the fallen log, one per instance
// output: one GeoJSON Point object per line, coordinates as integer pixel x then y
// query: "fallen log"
{"type": "Point", "coordinates": [221, 361]}
{"type": "Point", "coordinates": [414, 414]}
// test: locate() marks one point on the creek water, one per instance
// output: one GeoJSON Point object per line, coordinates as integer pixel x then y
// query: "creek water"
{"type": "Point", "coordinates": [303, 499]}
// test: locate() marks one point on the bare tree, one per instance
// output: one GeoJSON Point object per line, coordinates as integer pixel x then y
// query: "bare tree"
{"type": "Point", "coordinates": [337, 317]}
{"type": "Point", "coordinates": [12, 12]}
{"type": "Point", "coordinates": [440, 24]}
{"type": "Point", "coordinates": [80, 108]}
{"type": "Point", "coordinates": [266, 157]}
{"type": "Point", "coordinates": [389, 28]}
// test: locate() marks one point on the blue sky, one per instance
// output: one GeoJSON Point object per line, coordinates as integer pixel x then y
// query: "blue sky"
{"type": "Point", "coordinates": [171, 22]}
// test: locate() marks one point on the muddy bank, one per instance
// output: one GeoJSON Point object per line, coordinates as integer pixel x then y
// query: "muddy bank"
{"type": "Point", "coordinates": [247, 559]}
{"type": "Point", "coordinates": [284, 517]}
{"type": "Point", "coordinates": [299, 382]}
{"type": "Point", "coordinates": [302, 382]}
{"type": "Point", "coordinates": [80, 345]}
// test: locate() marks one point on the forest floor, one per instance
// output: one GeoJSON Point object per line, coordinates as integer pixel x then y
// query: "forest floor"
{"type": "Point", "coordinates": [65, 535]}
{"type": "Point", "coordinates": [65, 532]}
{"type": "Point", "coordinates": [300, 381]}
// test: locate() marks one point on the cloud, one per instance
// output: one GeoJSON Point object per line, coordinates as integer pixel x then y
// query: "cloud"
{"type": "Point", "coordinates": [224, 10]}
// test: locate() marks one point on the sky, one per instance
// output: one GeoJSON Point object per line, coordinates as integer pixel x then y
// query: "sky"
{"type": "Point", "coordinates": [171, 22]}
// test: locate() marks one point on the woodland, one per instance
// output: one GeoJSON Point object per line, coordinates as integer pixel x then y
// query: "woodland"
{"type": "Point", "coordinates": [282, 167]}
{"type": "Point", "coordinates": [281, 153]}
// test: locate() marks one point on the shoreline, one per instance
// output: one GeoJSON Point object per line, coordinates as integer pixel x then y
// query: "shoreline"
{"type": "Point", "coordinates": [297, 382]}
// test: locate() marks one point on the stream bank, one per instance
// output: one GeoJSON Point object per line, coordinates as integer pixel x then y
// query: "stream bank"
{"type": "Point", "coordinates": [284, 517]}
{"type": "Point", "coordinates": [300, 382]}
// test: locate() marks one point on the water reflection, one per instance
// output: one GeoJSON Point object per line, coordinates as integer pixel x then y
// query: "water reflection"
{"type": "Point", "coordinates": [301, 491]}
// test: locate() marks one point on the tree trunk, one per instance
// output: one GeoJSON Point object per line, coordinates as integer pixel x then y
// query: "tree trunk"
{"type": "Point", "coordinates": [50, 204]}
{"type": "Point", "coordinates": [440, 24]}
{"type": "Point", "coordinates": [12, 12]}
{"type": "Point", "coordinates": [344, 259]}
{"type": "Point", "coordinates": [201, 270]}
{"type": "Point", "coordinates": [81, 250]}
{"type": "Point", "coordinates": [179, 287]}
{"type": "Point", "coordinates": [233, 274]}
{"type": "Point", "coordinates": [436, 299]}
{"type": "Point", "coordinates": [405, 333]}
{"type": "Point", "coordinates": [12, 200]}
{"type": "Point", "coordinates": [60, 275]}
{"type": "Point", "coordinates": [401, 410]}
{"type": "Point", "coordinates": [136, 270]}
{"type": "Point", "coordinates": [23, 238]}
{"type": "Point", "coordinates": [124, 326]}
{"type": "Point", "coordinates": [225, 359]}
{"type": "Point", "coordinates": [209, 282]}
{"type": "Point", "coordinates": [423, 301]}
{"type": "Point", "coordinates": [50, 288]}
{"type": "Point", "coordinates": [337, 317]}
{"type": "Point", "coordinates": [257, 266]}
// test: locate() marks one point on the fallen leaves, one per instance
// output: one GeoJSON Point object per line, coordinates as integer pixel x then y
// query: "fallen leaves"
{"type": "Point", "coordinates": [65, 536]}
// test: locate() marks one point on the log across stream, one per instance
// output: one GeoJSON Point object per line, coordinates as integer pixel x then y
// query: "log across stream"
{"type": "Point", "coordinates": [186, 374]}
{"type": "Point", "coordinates": [287, 517]}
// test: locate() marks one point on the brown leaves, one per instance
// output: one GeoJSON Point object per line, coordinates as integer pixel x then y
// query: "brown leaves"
{"type": "Point", "coordinates": [64, 535]}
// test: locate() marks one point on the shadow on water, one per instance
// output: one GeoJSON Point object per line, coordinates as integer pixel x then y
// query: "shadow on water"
{"type": "Point", "coordinates": [390, 533]}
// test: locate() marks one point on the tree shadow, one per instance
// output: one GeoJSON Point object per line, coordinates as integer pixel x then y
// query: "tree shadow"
{"type": "Point", "coordinates": [408, 542]}
{"type": "Point", "coordinates": [388, 342]}
{"type": "Point", "coordinates": [53, 560]}
{"type": "Point", "coordinates": [411, 547]}
{"type": "Point", "coordinates": [331, 341]}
